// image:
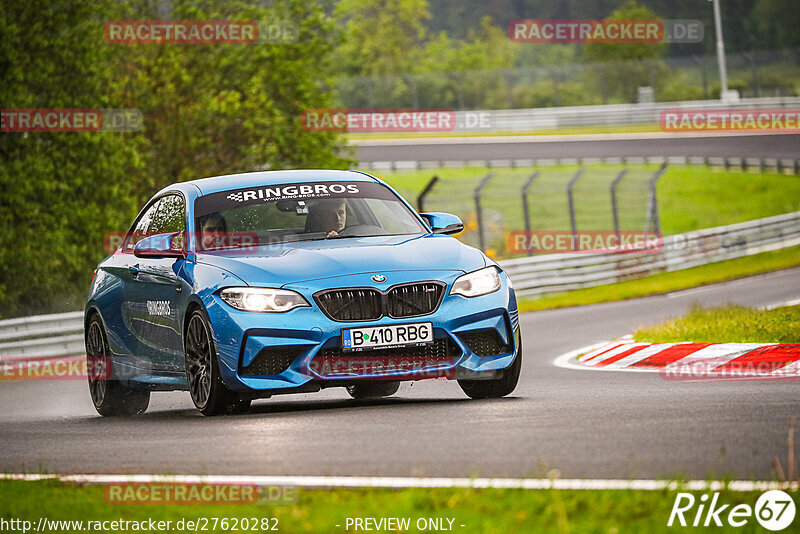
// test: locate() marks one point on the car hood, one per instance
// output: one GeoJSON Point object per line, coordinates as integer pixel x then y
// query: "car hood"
{"type": "Point", "coordinates": [277, 265]}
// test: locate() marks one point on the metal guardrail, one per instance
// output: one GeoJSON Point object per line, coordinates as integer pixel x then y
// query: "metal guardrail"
{"type": "Point", "coordinates": [519, 120]}
{"type": "Point", "coordinates": [41, 336]}
{"type": "Point", "coordinates": [561, 272]}
{"type": "Point", "coordinates": [56, 335]}
{"type": "Point", "coordinates": [780, 165]}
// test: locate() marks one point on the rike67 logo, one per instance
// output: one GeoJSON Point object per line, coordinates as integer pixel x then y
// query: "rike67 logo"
{"type": "Point", "coordinates": [774, 510]}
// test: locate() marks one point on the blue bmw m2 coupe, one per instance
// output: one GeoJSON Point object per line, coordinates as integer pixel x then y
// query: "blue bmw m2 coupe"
{"type": "Point", "coordinates": [249, 285]}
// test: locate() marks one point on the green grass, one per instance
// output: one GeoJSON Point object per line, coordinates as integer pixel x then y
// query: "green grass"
{"type": "Point", "coordinates": [693, 197]}
{"type": "Point", "coordinates": [666, 282]}
{"type": "Point", "coordinates": [481, 511]}
{"type": "Point", "coordinates": [728, 324]}
{"type": "Point", "coordinates": [689, 197]}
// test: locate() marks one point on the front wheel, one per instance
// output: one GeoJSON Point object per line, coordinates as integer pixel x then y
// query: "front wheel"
{"type": "Point", "coordinates": [209, 394]}
{"type": "Point", "coordinates": [499, 387]}
{"type": "Point", "coordinates": [109, 396]}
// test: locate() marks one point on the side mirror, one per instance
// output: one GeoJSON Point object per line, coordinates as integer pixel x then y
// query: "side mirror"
{"type": "Point", "coordinates": [443, 223]}
{"type": "Point", "coordinates": [160, 246]}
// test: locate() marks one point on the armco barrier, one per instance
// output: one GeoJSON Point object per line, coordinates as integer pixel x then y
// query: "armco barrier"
{"type": "Point", "coordinates": [780, 165]}
{"type": "Point", "coordinates": [41, 336]}
{"type": "Point", "coordinates": [516, 120]}
{"type": "Point", "coordinates": [561, 272]}
{"type": "Point", "coordinates": [47, 336]}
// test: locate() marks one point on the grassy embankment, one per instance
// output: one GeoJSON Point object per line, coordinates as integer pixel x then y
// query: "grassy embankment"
{"type": "Point", "coordinates": [480, 511]}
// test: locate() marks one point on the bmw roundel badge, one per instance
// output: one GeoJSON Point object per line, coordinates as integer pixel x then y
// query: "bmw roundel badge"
{"type": "Point", "coordinates": [378, 278]}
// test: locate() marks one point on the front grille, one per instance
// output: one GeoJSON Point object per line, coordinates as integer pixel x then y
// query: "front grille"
{"type": "Point", "coordinates": [368, 304]}
{"type": "Point", "coordinates": [271, 361]}
{"type": "Point", "coordinates": [351, 304]}
{"type": "Point", "coordinates": [412, 300]}
{"type": "Point", "coordinates": [485, 342]}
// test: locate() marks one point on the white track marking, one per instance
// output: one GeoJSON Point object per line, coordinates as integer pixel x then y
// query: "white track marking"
{"type": "Point", "coordinates": [413, 482]}
{"type": "Point", "coordinates": [691, 291]}
{"type": "Point", "coordinates": [792, 369]}
{"type": "Point", "coordinates": [613, 352]}
{"type": "Point", "coordinates": [568, 361]}
{"type": "Point", "coordinates": [643, 354]}
{"type": "Point", "coordinates": [714, 356]}
{"type": "Point", "coordinates": [603, 348]}
{"type": "Point", "coordinates": [793, 302]}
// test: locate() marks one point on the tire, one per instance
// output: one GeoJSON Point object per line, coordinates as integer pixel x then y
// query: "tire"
{"type": "Point", "coordinates": [209, 393]}
{"type": "Point", "coordinates": [109, 396]}
{"type": "Point", "coordinates": [373, 390]}
{"type": "Point", "coordinates": [498, 387]}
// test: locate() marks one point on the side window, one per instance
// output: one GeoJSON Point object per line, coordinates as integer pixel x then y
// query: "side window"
{"type": "Point", "coordinates": [169, 217]}
{"type": "Point", "coordinates": [139, 229]}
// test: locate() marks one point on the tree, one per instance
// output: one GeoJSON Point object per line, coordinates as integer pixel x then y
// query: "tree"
{"type": "Point", "coordinates": [469, 69]}
{"type": "Point", "coordinates": [623, 67]}
{"type": "Point", "coordinates": [222, 108]}
{"type": "Point", "coordinates": [208, 109]}
{"type": "Point", "coordinates": [777, 21]}
{"type": "Point", "coordinates": [380, 36]}
{"type": "Point", "coordinates": [61, 191]}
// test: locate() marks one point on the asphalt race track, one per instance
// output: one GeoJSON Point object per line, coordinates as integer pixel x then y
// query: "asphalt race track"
{"type": "Point", "coordinates": [587, 424]}
{"type": "Point", "coordinates": [585, 146]}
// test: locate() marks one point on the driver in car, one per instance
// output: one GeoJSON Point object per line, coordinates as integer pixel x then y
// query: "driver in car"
{"type": "Point", "coordinates": [327, 215]}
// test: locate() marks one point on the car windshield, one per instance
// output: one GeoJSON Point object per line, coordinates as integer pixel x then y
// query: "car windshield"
{"type": "Point", "coordinates": [285, 213]}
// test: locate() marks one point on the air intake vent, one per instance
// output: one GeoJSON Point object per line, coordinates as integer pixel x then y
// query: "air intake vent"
{"type": "Point", "coordinates": [485, 342]}
{"type": "Point", "coordinates": [271, 361]}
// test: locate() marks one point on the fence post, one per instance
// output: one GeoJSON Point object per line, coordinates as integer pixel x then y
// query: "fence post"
{"type": "Point", "coordinates": [526, 212]}
{"type": "Point", "coordinates": [572, 221]}
{"type": "Point", "coordinates": [701, 63]}
{"type": "Point", "coordinates": [424, 193]}
{"type": "Point", "coordinates": [652, 202]}
{"type": "Point", "coordinates": [413, 85]}
{"type": "Point", "coordinates": [479, 211]}
{"type": "Point", "coordinates": [614, 212]}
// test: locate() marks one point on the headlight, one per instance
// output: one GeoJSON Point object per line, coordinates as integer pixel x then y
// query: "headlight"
{"type": "Point", "coordinates": [262, 299]}
{"type": "Point", "coordinates": [477, 283]}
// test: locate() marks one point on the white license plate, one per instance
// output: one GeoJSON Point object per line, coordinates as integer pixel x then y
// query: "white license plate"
{"type": "Point", "coordinates": [387, 336]}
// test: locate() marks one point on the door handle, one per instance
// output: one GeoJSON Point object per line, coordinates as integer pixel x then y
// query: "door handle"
{"type": "Point", "coordinates": [134, 269]}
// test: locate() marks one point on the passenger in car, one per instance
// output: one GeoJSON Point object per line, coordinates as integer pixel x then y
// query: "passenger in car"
{"type": "Point", "coordinates": [213, 231]}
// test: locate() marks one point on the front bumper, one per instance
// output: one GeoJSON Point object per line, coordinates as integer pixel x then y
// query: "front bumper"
{"type": "Point", "coordinates": [302, 348]}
